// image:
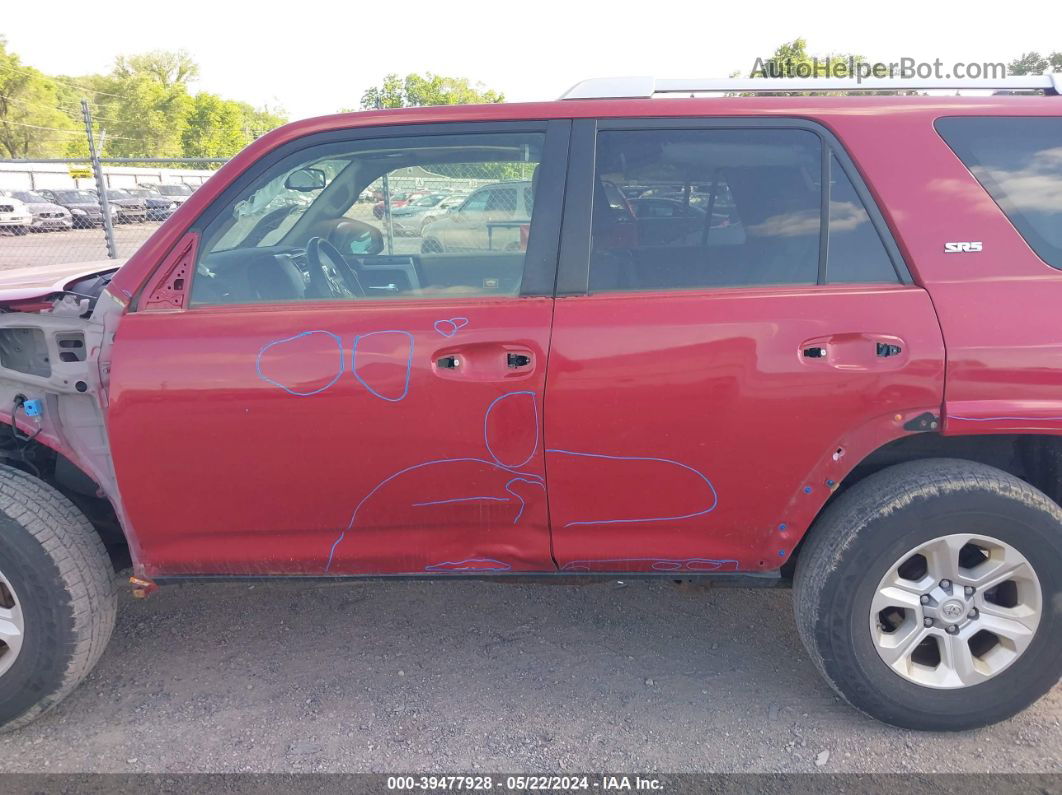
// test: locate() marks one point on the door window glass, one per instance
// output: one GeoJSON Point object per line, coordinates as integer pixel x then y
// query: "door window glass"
{"type": "Point", "coordinates": [413, 218]}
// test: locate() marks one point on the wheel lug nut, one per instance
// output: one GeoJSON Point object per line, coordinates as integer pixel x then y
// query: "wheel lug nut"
{"type": "Point", "coordinates": [973, 613]}
{"type": "Point", "coordinates": [969, 590]}
{"type": "Point", "coordinates": [928, 622]}
{"type": "Point", "coordinates": [945, 584]}
{"type": "Point", "coordinates": [952, 629]}
{"type": "Point", "coordinates": [924, 598]}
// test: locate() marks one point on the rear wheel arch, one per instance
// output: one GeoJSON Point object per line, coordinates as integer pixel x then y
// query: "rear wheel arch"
{"type": "Point", "coordinates": [1033, 458]}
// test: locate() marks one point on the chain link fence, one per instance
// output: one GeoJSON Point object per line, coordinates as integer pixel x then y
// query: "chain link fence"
{"type": "Point", "coordinates": [54, 212]}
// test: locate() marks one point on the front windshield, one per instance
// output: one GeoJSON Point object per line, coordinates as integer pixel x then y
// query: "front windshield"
{"type": "Point", "coordinates": [175, 190]}
{"type": "Point", "coordinates": [139, 192]}
{"type": "Point", "coordinates": [117, 194]}
{"type": "Point", "coordinates": [76, 196]}
{"type": "Point", "coordinates": [29, 196]}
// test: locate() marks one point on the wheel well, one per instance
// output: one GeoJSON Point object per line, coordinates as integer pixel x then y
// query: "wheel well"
{"type": "Point", "coordinates": [1035, 458]}
{"type": "Point", "coordinates": [62, 474]}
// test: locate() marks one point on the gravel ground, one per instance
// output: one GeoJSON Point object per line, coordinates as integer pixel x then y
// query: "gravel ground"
{"type": "Point", "coordinates": [436, 676]}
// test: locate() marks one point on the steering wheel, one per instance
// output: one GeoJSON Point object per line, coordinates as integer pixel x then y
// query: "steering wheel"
{"type": "Point", "coordinates": [330, 274]}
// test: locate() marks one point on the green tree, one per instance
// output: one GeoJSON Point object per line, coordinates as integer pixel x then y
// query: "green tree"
{"type": "Point", "coordinates": [792, 59]}
{"type": "Point", "coordinates": [31, 121]}
{"type": "Point", "coordinates": [213, 128]}
{"type": "Point", "coordinates": [416, 90]}
{"type": "Point", "coordinates": [144, 103]}
{"type": "Point", "coordinates": [258, 121]}
{"type": "Point", "coordinates": [1032, 63]}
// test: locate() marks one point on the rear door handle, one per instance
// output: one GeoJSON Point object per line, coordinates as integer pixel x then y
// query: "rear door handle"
{"type": "Point", "coordinates": [517, 360]}
{"type": "Point", "coordinates": [885, 349]}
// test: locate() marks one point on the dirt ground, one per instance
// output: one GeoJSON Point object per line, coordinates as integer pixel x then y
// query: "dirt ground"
{"type": "Point", "coordinates": [433, 676]}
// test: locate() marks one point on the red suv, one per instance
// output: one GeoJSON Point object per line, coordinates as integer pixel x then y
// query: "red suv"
{"type": "Point", "coordinates": [836, 362]}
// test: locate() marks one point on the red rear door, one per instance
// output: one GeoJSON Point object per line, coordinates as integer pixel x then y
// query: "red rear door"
{"type": "Point", "coordinates": [376, 414]}
{"type": "Point", "coordinates": [711, 382]}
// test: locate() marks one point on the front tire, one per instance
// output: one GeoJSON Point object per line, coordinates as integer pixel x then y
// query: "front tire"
{"type": "Point", "coordinates": [57, 597]}
{"type": "Point", "coordinates": [929, 595]}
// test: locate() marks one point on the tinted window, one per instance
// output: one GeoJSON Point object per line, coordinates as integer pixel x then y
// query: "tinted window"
{"type": "Point", "coordinates": [856, 253]}
{"type": "Point", "coordinates": [1019, 163]}
{"type": "Point", "coordinates": [714, 208]}
{"type": "Point", "coordinates": [364, 198]}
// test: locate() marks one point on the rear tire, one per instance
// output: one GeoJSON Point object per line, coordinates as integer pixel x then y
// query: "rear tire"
{"type": "Point", "coordinates": [58, 591]}
{"type": "Point", "coordinates": [869, 543]}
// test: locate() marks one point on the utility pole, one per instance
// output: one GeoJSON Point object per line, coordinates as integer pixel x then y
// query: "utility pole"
{"type": "Point", "coordinates": [101, 188]}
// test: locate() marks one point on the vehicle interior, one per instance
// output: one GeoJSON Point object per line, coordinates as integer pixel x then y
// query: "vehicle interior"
{"type": "Point", "coordinates": [306, 230]}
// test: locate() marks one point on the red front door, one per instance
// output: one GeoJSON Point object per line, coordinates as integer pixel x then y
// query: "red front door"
{"type": "Point", "coordinates": [329, 440]}
{"type": "Point", "coordinates": [340, 399]}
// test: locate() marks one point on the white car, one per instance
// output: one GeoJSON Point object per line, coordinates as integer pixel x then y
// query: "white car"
{"type": "Point", "coordinates": [46, 214]}
{"type": "Point", "coordinates": [493, 218]}
{"type": "Point", "coordinates": [15, 215]}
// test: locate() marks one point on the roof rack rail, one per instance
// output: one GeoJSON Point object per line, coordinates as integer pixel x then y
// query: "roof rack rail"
{"type": "Point", "coordinates": [646, 87]}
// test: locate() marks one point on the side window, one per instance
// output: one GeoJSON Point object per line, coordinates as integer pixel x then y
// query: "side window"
{"type": "Point", "coordinates": [1018, 160]}
{"type": "Point", "coordinates": [712, 208]}
{"type": "Point", "coordinates": [376, 219]}
{"type": "Point", "coordinates": [856, 253]}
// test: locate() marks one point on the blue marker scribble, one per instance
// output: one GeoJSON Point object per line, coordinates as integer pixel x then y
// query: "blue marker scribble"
{"type": "Point", "coordinates": [1012, 419]}
{"type": "Point", "coordinates": [486, 420]}
{"type": "Point", "coordinates": [523, 504]}
{"type": "Point", "coordinates": [708, 509]}
{"type": "Point", "coordinates": [469, 565]}
{"type": "Point", "coordinates": [450, 326]}
{"type": "Point", "coordinates": [657, 564]}
{"type": "Point", "coordinates": [286, 388]}
{"type": "Point", "coordinates": [409, 364]}
{"type": "Point", "coordinates": [530, 476]}
{"type": "Point", "coordinates": [461, 499]}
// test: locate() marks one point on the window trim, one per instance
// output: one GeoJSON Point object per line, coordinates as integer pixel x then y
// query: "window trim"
{"type": "Point", "coordinates": [540, 263]}
{"type": "Point", "coordinates": [573, 276]}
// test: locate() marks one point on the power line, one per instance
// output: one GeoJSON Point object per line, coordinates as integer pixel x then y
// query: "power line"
{"type": "Point", "coordinates": [75, 114]}
{"type": "Point", "coordinates": [57, 130]}
{"type": "Point", "coordinates": [62, 80]}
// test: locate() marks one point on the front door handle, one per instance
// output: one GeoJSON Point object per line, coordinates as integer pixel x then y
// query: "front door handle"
{"type": "Point", "coordinates": [885, 349]}
{"type": "Point", "coordinates": [517, 360]}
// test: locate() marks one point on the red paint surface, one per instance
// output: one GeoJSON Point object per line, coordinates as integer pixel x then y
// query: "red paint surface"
{"type": "Point", "coordinates": [222, 471]}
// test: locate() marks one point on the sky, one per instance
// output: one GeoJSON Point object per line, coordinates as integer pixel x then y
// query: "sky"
{"type": "Point", "coordinates": [312, 57]}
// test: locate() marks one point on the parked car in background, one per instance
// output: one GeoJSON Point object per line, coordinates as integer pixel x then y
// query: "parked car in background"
{"type": "Point", "coordinates": [396, 200]}
{"type": "Point", "coordinates": [83, 205]}
{"type": "Point", "coordinates": [129, 209]}
{"type": "Point", "coordinates": [857, 394]}
{"type": "Point", "coordinates": [159, 207]}
{"type": "Point", "coordinates": [178, 192]}
{"type": "Point", "coordinates": [15, 216]}
{"type": "Point", "coordinates": [447, 205]}
{"type": "Point", "coordinates": [408, 219]}
{"type": "Point", "coordinates": [493, 218]}
{"type": "Point", "coordinates": [46, 214]}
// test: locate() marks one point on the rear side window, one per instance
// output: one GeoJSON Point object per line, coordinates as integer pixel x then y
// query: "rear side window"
{"type": "Point", "coordinates": [694, 209]}
{"type": "Point", "coordinates": [1019, 162]}
{"type": "Point", "coordinates": [856, 253]}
